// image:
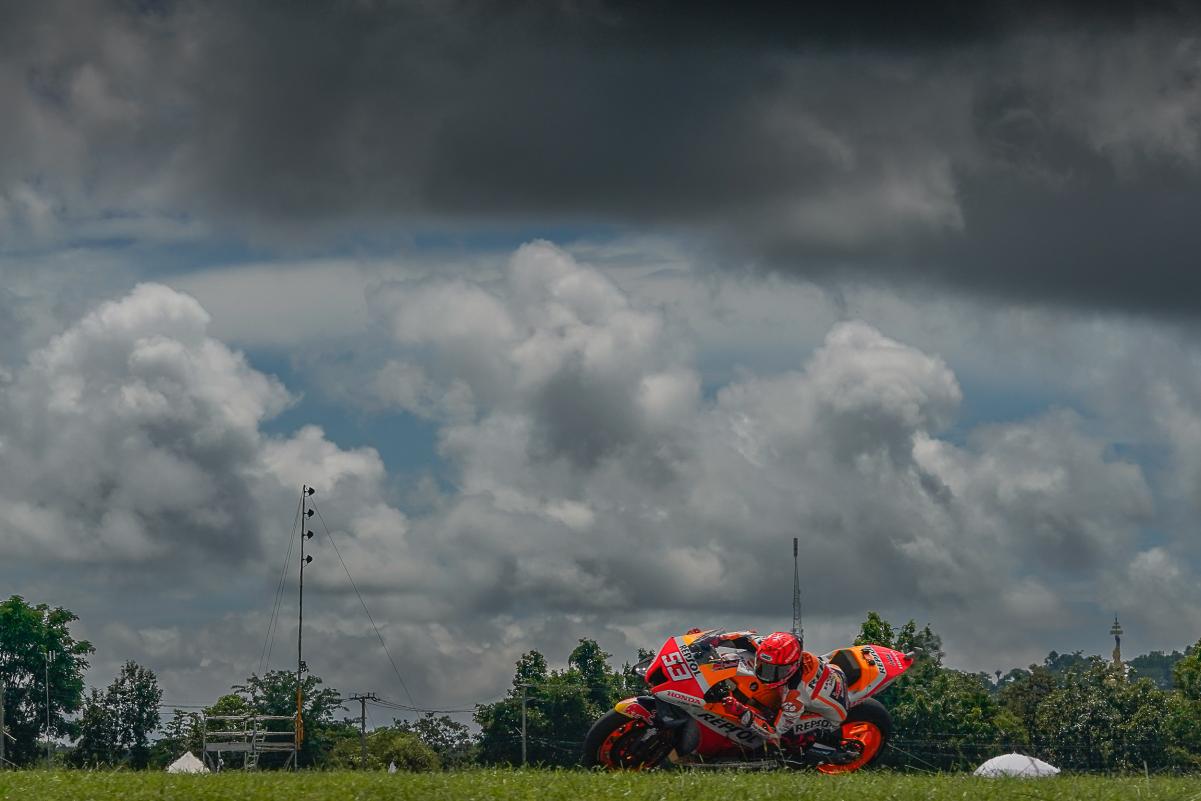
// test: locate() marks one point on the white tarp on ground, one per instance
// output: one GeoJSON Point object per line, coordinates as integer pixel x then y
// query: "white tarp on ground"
{"type": "Point", "coordinates": [1016, 765]}
{"type": "Point", "coordinates": [187, 764]}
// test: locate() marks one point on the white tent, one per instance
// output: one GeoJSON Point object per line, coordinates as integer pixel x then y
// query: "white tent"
{"type": "Point", "coordinates": [1016, 765]}
{"type": "Point", "coordinates": [187, 764]}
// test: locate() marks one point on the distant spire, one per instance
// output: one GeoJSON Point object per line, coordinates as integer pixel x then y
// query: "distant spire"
{"type": "Point", "coordinates": [1116, 631]}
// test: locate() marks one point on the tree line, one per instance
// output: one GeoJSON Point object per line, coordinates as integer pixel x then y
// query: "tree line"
{"type": "Point", "coordinates": [1078, 712]}
{"type": "Point", "coordinates": [41, 676]}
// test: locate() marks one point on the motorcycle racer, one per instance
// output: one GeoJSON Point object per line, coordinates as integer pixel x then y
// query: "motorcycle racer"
{"type": "Point", "coordinates": [795, 686]}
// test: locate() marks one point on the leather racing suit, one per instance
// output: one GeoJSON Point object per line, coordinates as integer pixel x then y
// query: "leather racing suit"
{"type": "Point", "coordinates": [814, 696]}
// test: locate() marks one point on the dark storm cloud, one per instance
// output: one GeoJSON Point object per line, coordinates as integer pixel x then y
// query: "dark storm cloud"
{"type": "Point", "coordinates": [1040, 150]}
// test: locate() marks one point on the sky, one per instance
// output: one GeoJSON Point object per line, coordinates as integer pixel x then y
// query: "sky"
{"type": "Point", "coordinates": [576, 313]}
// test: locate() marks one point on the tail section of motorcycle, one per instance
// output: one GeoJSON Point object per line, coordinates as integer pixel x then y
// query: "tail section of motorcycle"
{"type": "Point", "coordinates": [869, 668]}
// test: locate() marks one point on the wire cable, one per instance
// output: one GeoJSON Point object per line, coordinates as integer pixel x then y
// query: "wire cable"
{"type": "Point", "coordinates": [383, 644]}
{"type": "Point", "coordinates": [386, 704]}
{"type": "Point", "coordinates": [273, 622]}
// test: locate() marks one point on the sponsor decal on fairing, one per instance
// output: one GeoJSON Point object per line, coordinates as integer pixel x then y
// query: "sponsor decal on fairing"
{"type": "Point", "coordinates": [811, 723]}
{"type": "Point", "coordinates": [677, 697]}
{"type": "Point", "coordinates": [729, 729]}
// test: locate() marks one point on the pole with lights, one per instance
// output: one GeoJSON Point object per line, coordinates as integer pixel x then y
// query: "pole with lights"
{"type": "Point", "coordinates": [306, 512]}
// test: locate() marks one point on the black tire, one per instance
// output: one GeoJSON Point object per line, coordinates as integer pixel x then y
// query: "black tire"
{"type": "Point", "coordinates": [868, 723]}
{"type": "Point", "coordinates": [597, 735]}
{"type": "Point", "coordinates": [870, 710]}
{"type": "Point", "coordinates": [602, 730]}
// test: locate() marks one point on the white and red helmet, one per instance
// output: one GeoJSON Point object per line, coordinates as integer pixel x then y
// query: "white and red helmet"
{"type": "Point", "coordinates": [778, 658]}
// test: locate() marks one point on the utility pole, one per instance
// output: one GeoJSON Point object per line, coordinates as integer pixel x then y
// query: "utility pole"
{"type": "Point", "coordinates": [3, 731]}
{"type": "Point", "coordinates": [524, 701]}
{"type": "Point", "coordinates": [305, 513]}
{"type": "Point", "coordinates": [49, 659]}
{"type": "Point", "coordinates": [363, 699]}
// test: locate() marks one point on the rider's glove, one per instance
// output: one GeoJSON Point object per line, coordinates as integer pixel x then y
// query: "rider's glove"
{"type": "Point", "coordinates": [737, 709]}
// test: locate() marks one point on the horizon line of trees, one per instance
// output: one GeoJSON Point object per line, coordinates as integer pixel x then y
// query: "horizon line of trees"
{"type": "Point", "coordinates": [1078, 712]}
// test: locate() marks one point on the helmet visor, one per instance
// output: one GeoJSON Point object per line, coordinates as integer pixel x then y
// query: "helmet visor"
{"type": "Point", "coordinates": [769, 673]}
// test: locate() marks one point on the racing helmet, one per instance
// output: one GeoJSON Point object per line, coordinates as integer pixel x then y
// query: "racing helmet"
{"type": "Point", "coordinates": [778, 658]}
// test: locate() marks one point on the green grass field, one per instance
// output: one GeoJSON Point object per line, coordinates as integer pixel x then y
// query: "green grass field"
{"type": "Point", "coordinates": [535, 785]}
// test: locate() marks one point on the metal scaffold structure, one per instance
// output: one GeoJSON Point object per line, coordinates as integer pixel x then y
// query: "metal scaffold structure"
{"type": "Point", "coordinates": [249, 735]}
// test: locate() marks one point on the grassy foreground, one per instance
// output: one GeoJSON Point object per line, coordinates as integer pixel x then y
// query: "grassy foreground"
{"type": "Point", "coordinates": [536, 785]}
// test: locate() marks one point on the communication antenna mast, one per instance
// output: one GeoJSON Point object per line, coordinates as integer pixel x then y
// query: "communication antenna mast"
{"type": "Point", "coordinates": [798, 629]}
{"type": "Point", "coordinates": [306, 511]}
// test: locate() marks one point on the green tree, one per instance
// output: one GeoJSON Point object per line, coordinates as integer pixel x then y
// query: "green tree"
{"type": "Point", "coordinates": [953, 711]}
{"type": "Point", "coordinates": [452, 741]}
{"type": "Point", "coordinates": [875, 631]}
{"type": "Point", "coordinates": [1182, 728]}
{"type": "Point", "coordinates": [591, 664]}
{"type": "Point", "coordinates": [180, 734]}
{"type": "Point", "coordinates": [924, 642]}
{"type": "Point", "coordinates": [1186, 673]}
{"type": "Point", "coordinates": [274, 693]}
{"type": "Point", "coordinates": [953, 714]}
{"type": "Point", "coordinates": [115, 727]}
{"type": "Point", "coordinates": [137, 697]}
{"type": "Point", "coordinates": [1021, 694]}
{"type": "Point", "coordinates": [563, 705]}
{"type": "Point", "coordinates": [97, 744]}
{"type": "Point", "coordinates": [385, 746]}
{"type": "Point", "coordinates": [231, 704]}
{"type": "Point", "coordinates": [1098, 720]}
{"type": "Point", "coordinates": [1063, 663]}
{"type": "Point", "coordinates": [631, 682]}
{"type": "Point", "coordinates": [1156, 666]}
{"type": "Point", "coordinates": [531, 669]}
{"type": "Point", "coordinates": [27, 633]}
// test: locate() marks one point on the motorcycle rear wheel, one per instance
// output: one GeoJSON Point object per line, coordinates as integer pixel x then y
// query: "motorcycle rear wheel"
{"type": "Point", "coordinates": [617, 742]}
{"type": "Point", "coordinates": [865, 732]}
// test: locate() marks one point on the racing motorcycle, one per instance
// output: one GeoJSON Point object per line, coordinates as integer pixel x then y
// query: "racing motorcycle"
{"type": "Point", "coordinates": [683, 720]}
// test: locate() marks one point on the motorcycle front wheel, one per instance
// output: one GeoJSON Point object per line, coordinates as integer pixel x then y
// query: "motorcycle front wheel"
{"type": "Point", "coordinates": [865, 732]}
{"type": "Point", "coordinates": [617, 742]}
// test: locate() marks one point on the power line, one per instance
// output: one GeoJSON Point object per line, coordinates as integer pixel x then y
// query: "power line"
{"type": "Point", "coordinates": [410, 708]}
{"type": "Point", "coordinates": [273, 622]}
{"type": "Point", "coordinates": [383, 644]}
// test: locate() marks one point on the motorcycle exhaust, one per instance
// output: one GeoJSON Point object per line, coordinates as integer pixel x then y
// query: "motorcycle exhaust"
{"type": "Point", "coordinates": [818, 754]}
